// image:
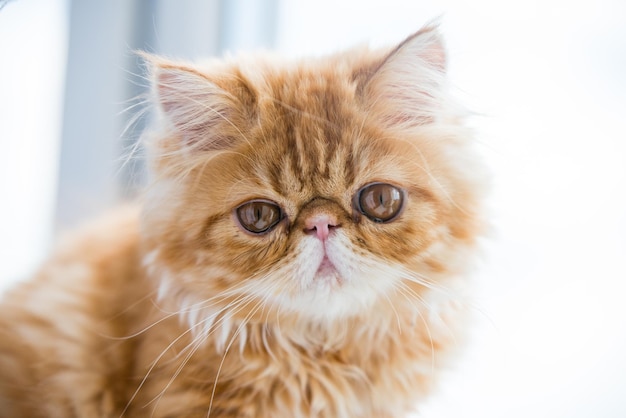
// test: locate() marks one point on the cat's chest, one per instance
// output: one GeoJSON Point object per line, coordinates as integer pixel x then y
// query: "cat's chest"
{"type": "Point", "coordinates": [261, 374]}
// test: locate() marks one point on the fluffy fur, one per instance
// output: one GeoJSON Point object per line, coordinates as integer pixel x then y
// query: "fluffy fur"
{"type": "Point", "coordinates": [173, 309]}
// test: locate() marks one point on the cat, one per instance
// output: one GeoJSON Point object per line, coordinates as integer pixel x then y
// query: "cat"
{"type": "Point", "coordinates": [300, 250]}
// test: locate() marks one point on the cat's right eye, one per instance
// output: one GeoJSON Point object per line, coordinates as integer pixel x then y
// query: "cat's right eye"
{"type": "Point", "coordinates": [258, 216]}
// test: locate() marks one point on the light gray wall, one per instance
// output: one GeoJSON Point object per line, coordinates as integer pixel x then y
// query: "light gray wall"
{"type": "Point", "coordinates": [104, 77]}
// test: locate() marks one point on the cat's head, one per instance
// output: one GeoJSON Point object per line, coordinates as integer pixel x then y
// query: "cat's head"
{"type": "Point", "coordinates": [319, 188]}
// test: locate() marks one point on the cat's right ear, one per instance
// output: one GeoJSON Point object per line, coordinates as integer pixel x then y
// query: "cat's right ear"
{"type": "Point", "coordinates": [201, 114]}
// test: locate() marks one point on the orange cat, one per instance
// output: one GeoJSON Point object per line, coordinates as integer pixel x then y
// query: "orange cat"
{"type": "Point", "coordinates": [297, 254]}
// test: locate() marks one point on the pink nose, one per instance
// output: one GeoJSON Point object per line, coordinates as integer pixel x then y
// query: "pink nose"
{"type": "Point", "coordinates": [320, 225]}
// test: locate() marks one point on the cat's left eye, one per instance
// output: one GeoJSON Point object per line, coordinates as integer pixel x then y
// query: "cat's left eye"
{"type": "Point", "coordinates": [258, 216]}
{"type": "Point", "coordinates": [380, 202]}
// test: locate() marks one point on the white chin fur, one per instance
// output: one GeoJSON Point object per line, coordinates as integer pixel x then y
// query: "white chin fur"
{"type": "Point", "coordinates": [352, 285]}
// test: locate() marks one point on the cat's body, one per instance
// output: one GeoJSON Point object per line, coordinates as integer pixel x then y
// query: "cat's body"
{"type": "Point", "coordinates": [296, 256]}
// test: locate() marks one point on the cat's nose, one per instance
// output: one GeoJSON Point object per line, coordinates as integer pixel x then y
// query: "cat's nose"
{"type": "Point", "coordinates": [320, 225]}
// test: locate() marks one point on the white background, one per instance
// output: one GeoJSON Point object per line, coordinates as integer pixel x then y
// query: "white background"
{"type": "Point", "coordinates": [548, 79]}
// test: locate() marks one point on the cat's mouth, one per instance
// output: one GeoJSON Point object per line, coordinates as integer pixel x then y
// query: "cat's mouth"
{"type": "Point", "coordinates": [327, 271]}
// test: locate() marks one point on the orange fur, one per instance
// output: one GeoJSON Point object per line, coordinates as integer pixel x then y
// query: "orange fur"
{"type": "Point", "coordinates": [172, 309]}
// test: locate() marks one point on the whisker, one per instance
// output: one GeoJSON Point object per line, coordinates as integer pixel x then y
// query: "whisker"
{"type": "Point", "coordinates": [394, 310]}
{"type": "Point", "coordinates": [461, 299]}
{"type": "Point", "coordinates": [145, 329]}
{"type": "Point", "coordinates": [227, 349]}
{"type": "Point", "coordinates": [159, 357]}
{"type": "Point", "coordinates": [211, 326]}
{"type": "Point", "coordinates": [151, 368]}
{"type": "Point", "coordinates": [426, 326]}
{"type": "Point", "coordinates": [422, 280]}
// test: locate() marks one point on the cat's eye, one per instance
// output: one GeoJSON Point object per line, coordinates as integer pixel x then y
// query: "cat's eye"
{"type": "Point", "coordinates": [380, 202]}
{"type": "Point", "coordinates": [258, 216]}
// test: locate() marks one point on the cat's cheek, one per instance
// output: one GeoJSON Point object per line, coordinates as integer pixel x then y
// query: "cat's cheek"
{"type": "Point", "coordinates": [400, 240]}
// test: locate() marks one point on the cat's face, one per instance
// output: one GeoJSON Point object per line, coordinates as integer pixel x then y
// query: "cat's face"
{"type": "Point", "coordinates": [320, 188]}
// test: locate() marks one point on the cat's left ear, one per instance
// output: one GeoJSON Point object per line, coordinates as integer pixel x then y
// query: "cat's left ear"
{"type": "Point", "coordinates": [406, 88]}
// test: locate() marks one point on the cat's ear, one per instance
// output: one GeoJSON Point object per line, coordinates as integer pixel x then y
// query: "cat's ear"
{"type": "Point", "coordinates": [202, 114]}
{"type": "Point", "coordinates": [407, 87]}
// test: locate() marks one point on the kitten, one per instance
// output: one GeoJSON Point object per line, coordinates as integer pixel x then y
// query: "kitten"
{"type": "Point", "coordinates": [297, 254]}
